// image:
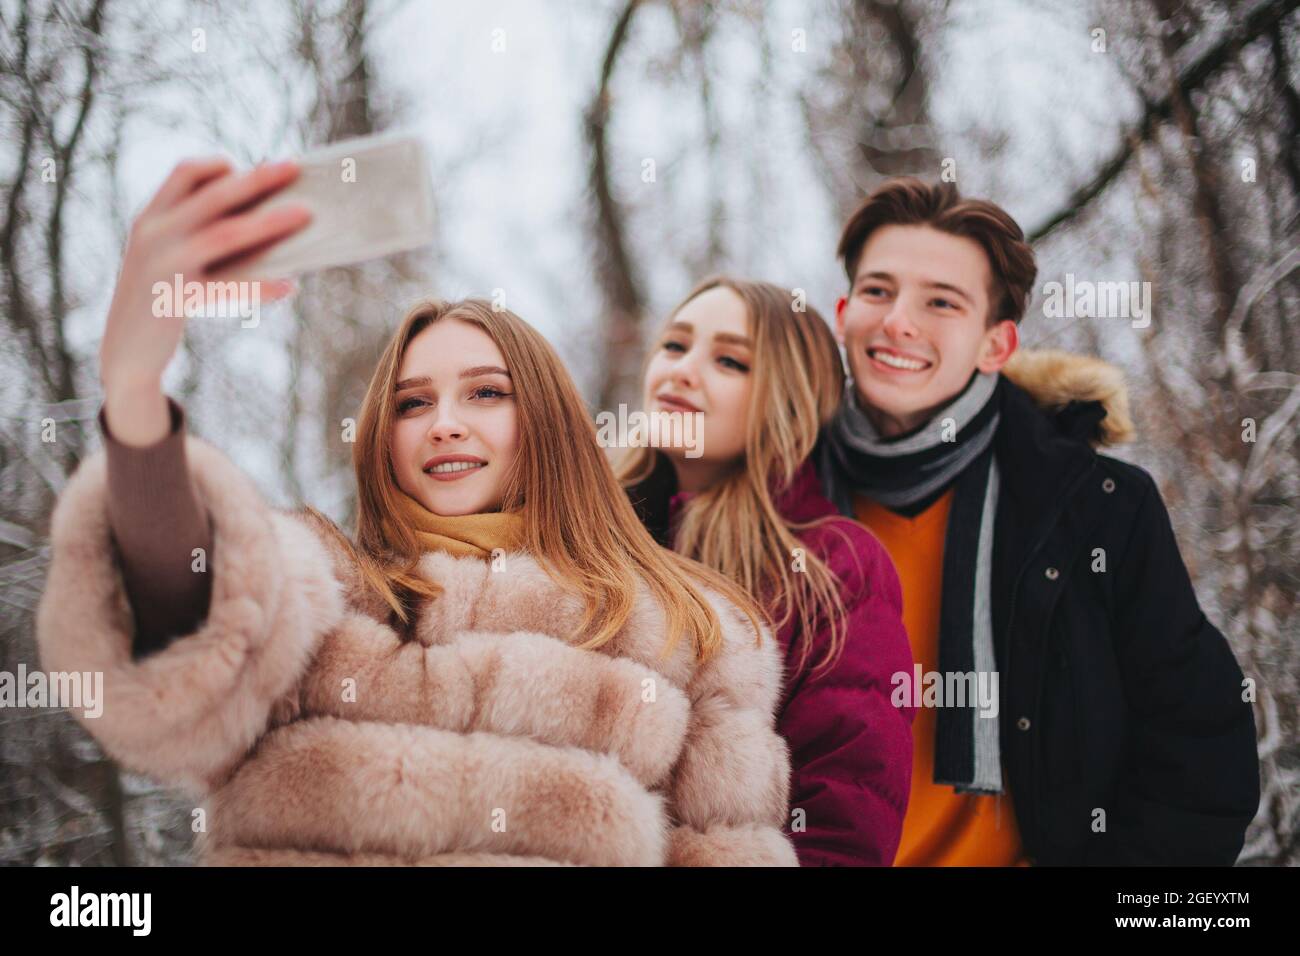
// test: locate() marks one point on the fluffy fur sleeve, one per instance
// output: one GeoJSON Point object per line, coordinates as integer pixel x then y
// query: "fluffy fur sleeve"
{"type": "Point", "coordinates": [731, 787]}
{"type": "Point", "coordinates": [187, 714]}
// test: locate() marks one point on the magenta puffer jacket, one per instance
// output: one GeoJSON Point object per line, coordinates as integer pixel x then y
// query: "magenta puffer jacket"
{"type": "Point", "coordinates": [850, 747]}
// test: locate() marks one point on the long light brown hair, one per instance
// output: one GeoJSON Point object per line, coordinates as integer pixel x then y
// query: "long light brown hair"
{"type": "Point", "coordinates": [578, 523]}
{"type": "Point", "coordinates": [734, 526]}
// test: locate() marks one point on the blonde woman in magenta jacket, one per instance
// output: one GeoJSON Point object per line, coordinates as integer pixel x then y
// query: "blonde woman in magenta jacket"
{"type": "Point", "coordinates": [765, 373]}
{"type": "Point", "coordinates": [502, 668]}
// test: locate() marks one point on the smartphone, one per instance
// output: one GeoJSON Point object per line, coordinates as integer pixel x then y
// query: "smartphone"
{"type": "Point", "coordinates": [369, 197]}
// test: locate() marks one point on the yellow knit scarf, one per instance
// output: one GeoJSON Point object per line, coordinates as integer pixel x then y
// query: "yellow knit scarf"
{"type": "Point", "coordinates": [472, 536]}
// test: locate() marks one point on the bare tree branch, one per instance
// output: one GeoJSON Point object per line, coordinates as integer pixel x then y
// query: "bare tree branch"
{"type": "Point", "coordinates": [619, 283]}
{"type": "Point", "coordinates": [1261, 18]}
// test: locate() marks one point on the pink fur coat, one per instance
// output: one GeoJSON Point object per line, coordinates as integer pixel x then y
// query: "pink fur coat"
{"type": "Point", "coordinates": [314, 734]}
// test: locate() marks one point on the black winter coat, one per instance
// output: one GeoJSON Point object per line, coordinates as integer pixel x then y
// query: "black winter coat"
{"type": "Point", "coordinates": [1125, 737]}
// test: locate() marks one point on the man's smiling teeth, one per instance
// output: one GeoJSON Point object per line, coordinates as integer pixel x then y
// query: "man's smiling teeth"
{"type": "Point", "coordinates": [897, 361]}
{"type": "Point", "coordinates": [450, 466]}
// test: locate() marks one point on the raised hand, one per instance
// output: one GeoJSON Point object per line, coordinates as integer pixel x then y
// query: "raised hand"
{"type": "Point", "coordinates": [198, 223]}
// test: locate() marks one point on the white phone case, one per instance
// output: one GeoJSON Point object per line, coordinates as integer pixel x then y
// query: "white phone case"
{"type": "Point", "coordinates": [369, 197]}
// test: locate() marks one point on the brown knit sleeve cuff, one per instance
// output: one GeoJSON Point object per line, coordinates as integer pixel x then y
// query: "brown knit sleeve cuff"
{"type": "Point", "coordinates": [132, 462]}
{"type": "Point", "coordinates": [157, 522]}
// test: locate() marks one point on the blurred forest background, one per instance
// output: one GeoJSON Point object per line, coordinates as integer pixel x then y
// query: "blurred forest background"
{"type": "Point", "coordinates": [590, 162]}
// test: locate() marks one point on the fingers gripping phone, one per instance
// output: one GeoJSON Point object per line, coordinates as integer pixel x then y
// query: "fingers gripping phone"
{"type": "Point", "coordinates": [369, 197]}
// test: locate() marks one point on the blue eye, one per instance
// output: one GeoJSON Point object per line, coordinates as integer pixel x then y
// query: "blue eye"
{"type": "Point", "coordinates": [738, 366]}
{"type": "Point", "coordinates": [407, 404]}
{"type": "Point", "coordinates": [674, 347]}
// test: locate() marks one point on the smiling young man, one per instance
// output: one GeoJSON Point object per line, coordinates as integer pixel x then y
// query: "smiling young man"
{"type": "Point", "coordinates": [1122, 734]}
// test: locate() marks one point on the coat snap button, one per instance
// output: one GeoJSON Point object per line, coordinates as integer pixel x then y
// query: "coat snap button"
{"type": "Point", "coordinates": [1052, 574]}
{"type": "Point", "coordinates": [1108, 485]}
{"type": "Point", "coordinates": [1022, 723]}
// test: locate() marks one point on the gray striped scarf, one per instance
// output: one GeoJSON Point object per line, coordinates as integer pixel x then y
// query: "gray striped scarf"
{"type": "Point", "coordinates": [954, 448]}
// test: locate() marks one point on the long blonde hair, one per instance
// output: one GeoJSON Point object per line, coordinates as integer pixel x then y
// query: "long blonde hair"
{"type": "Point", "coordinates": [734, 526]}
{"type": "Point", "coordinates": [577, 521]}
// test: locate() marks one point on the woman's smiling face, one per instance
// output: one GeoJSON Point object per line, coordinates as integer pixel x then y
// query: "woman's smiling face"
{"type": "Point", "coordinates": [456, 434]}
{"type": "Point", "coordinates": [702, 365]}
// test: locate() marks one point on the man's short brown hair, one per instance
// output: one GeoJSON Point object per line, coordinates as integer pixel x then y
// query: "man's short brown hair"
{"type": "Point", "coordinates": [911, 202]}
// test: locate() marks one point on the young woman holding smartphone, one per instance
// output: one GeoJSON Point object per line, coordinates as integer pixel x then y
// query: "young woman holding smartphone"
{"type": "Point", "coordinates": [502, 668]}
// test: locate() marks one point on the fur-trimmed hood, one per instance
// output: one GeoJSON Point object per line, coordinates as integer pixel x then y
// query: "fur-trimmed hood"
{"type": "Point", "coordinates": [1055, 378]}
{"type": "Point", "coordinates": [316, 734]}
